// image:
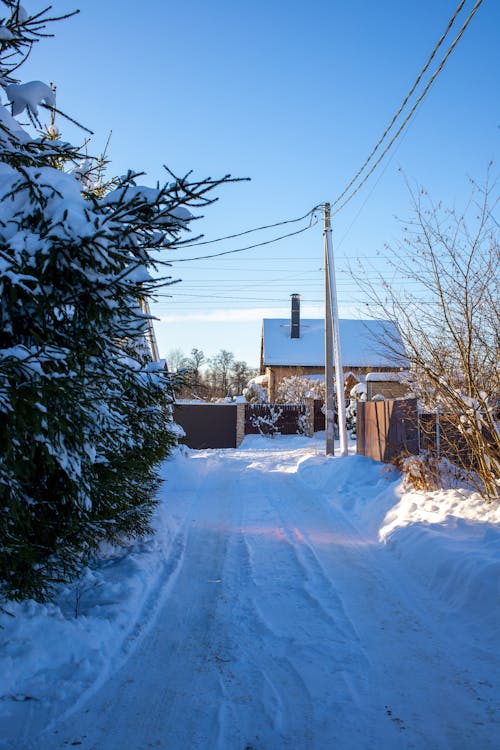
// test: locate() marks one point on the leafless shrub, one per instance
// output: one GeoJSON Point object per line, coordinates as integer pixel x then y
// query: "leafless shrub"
{"type": "Point", "coordinates": [427, 472]}
{"type": "Point", "coordinates": [444, 294]}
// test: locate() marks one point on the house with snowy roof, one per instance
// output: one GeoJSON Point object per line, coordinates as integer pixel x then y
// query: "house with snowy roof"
{"type": "Point", "coordinates": [296, 346]}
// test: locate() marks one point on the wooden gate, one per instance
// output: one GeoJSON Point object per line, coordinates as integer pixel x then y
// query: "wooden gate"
{"type": "Point", "coordinates": [385, 429]}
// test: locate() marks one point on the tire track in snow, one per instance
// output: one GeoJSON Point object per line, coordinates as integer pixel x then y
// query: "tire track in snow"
{"type": "Point", "coordinates": [263, 682]}
{"type": "Point", "coordinates": [164, 695]}
{"type": "Point", "coordinates": [310, 531]}
{"type": "Point", "coordinates": [139, 629]}
{"type": "Point", "coordinates": [285, 629]}
{"type": "Point", "coordinates": [405, 638]}
{"type": "Point", "coordinates": [300, 642]}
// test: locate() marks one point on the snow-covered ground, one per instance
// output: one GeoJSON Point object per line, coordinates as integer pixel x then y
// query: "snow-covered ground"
{"type": "Point", "coordinates": [288, 600]}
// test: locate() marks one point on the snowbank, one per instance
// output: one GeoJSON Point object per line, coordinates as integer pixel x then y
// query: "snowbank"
{"type": "Point", "coordinates": [451, 541]}
{"type": "Point", "coordinates": [53, 656]}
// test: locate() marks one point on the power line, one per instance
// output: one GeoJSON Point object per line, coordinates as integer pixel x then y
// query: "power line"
{"type": "Point", "coordinates": [248, 247]}
{"type": "Point", "coordinates": [227, 304]}
{"type": "Point", "coordinates": [249, 231]}
{"type": "Point", "coordinates": [339, 244]}
{"type": "Point", "coordinates": [345, 288]}
{"type": "Point", "coordinates": [225, 297]}
{"type": "Point", "coordinates": [403, 105]}
{"type": "Point", "coordinates": [262, 283]}
{"type": "Point", "coordinates": [407, 118]}
{"type": "Point", "coordinates": [311, 213]}
{"type": "Point", "coordinates": [306, 260]}
{"type": "Point", "coordinates": [208, 283]}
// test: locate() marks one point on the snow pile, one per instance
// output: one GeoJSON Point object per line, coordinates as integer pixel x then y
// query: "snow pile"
{"type": "Point", "coordinates": [53, 654]}
{"type": "Point", "coordinates": [451, 540]}
{"type": "Point", "coordinates": [372, 537]}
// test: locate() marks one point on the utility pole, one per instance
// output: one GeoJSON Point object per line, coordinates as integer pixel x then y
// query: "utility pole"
{"type": "Point", "coordinates": [332, 341]}
{"type": "Point", "coordinates": [329, 410]}
{"type": "Point", "coordinates": [144, 305]}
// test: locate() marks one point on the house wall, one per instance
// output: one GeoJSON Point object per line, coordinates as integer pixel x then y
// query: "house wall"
{"type": "Point", "coordinates": [276, 373]}
{"type": "Point", "coordinates": [386, 388]}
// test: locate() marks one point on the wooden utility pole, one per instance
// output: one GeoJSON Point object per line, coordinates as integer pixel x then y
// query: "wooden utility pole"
{"type": "Point", "coordinates": [329, 410]}
{"type": "Point", "coordinates": [144, 305]}
{"type": "Point", "coordinates": [332, 342]}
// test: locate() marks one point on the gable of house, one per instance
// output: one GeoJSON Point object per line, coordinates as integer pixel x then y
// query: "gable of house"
{"type": "Point", "coordinates": [364, 343]}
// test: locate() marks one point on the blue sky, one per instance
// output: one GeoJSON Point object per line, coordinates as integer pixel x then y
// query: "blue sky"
{"type": "Point", "coordinates": [293, 95]}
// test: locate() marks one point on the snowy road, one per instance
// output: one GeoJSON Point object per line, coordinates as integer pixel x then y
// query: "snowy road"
{"type": "Point", "coordinates": [281, 625]}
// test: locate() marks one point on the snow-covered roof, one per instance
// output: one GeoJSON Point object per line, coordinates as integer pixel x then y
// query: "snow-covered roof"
{"type": "Point", "coordinates": [362, 343]}
{"type": "Point", "coordinates": [389, 377]}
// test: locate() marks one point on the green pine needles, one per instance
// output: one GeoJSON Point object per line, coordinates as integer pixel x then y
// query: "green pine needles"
{"type": "Point", "coordinates": [85, 413]}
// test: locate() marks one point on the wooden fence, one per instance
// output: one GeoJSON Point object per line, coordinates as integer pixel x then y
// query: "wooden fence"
{"type": "Point", "coordinates": [385, 429]}
{"type": "Point", "coordinates": [210, 425]}
{"type": "Point", "coordinates": [224, 425]}
{"type": "Point", "coordinates": [319, 416]}
{"type": "Point", "coordinates": [286, 419]}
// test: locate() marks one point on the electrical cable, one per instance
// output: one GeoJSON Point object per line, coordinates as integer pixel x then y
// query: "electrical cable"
{"type": "Point", "coordinates": [248, 247]}
{"type": "Point", "coordinates": [258, 285]}
{"type": "Point", "coordinates": [311, 213]}
{"type": "Point", "coordinates": [404, 103]}
{"type": "Point", "coordinates": [249, 231]}
{"type": "Point", "coordinates": [407, 118]}
{"type": "Point", "coordinates": [306, 260]}
{"type": "Point", "coordinates": [225, 297]}
{"type": "Point", "coordinates": [339, 244]}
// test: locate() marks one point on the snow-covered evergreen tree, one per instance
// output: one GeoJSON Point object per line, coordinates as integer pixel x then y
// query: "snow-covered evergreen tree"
{"type": "Point", "coordinates": [84, 411]}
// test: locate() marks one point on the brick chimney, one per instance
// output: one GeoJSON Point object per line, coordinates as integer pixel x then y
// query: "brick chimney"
{"type": "Point", "coordinates": [295, 320]}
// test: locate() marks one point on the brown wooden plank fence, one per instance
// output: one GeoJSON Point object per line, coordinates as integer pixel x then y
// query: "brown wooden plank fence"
{"type": "Point", "coordinates": [287, 423]}
{"type": "Point", "coordinates": [385, 429]}
{"type": "Point", "coordinates": [210, 425]}
{"type": "Point", "coordinates": [388, 429]}
{"type": "Point", "coordinates": [319, 417]}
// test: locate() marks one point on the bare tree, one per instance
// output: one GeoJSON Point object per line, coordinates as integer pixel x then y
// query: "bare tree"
{"type": "Point", "coordinates": [444, 294]}
{"type": "Point", "coordinates": [176, 360]}
{"type": "Point", "coordinates": [240, 375]}
{"type": "Point", "coordinates": [220, 367]}
{"type": "Point", "coordinates": [194, 385]}
{"type": "Point", "coordinates": [194, 363]}
{"type": "Point", "coordinates": [216, 377]}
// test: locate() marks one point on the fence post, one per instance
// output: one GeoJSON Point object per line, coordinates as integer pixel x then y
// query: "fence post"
{"type": "Point", "coordinates": [309, 432]}
{"type": "Point", "coordinates": [240, 423]}
{"type": "Point", "coordinates": [360, 429]}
